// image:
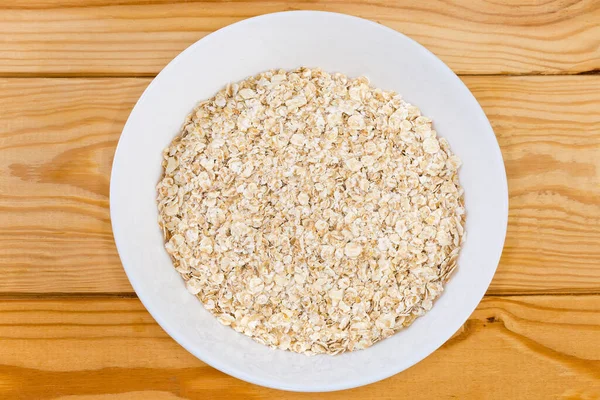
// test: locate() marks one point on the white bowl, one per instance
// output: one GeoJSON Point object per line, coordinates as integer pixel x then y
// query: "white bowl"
{"type": "Point", "coordinates": [335, 43]}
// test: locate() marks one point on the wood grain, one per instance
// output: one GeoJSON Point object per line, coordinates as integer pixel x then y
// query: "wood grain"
{"type": "Point", "coordinates": [57, 138]}
{"type": "Point", "coordinates": [549, 133]}
{"type": "Point", "coordinates": [84, 349]}
{"type": "Point", "coordinates": [127, 37]}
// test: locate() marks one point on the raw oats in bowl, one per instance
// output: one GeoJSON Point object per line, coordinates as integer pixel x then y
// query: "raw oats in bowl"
{"type": "Point", "coordinates": [310, 211]}
{"type": "Point", "coordinates": [307, 202]}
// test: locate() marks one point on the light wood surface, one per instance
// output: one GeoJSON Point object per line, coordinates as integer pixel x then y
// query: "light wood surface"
{"type": "Point", "coordinates": [59, 136]}
{"type": "Point", "coordinates": [511, 347]}
{"type": "Point", "coordinates": [125, 37]}
{"type": "Point", "coordinates": [71, 70]}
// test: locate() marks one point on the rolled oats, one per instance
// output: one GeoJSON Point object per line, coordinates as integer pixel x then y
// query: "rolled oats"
{"type": "Point", "coordinates": [310, 211]}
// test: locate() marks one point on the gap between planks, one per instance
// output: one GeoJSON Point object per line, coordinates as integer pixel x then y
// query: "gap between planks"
{"type": "Point", "coordinates": [100, 75]}
{"type": "Point", "coordinates": [7, 296]}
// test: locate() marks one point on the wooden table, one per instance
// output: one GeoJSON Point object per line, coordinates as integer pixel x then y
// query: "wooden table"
{"type": "Point", "coordinates": [72, 328]}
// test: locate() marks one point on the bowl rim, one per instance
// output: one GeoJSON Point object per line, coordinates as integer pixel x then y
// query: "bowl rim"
{"type": "Point", "coordinates": [214, 363]}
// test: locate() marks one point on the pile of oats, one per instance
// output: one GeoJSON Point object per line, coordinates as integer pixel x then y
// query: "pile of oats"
{"type": "Point", "coordinates": [310, 211]}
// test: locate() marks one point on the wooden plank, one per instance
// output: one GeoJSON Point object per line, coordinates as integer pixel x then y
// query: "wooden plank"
{"type": "Point", "coordinates": [57, 138]}
{"type": "Point", "coordinates": [549, 133]}
{"type": "Point", "coordinates": [125, 37]}
{"type": "Point", "coordinates": [94, 347]}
